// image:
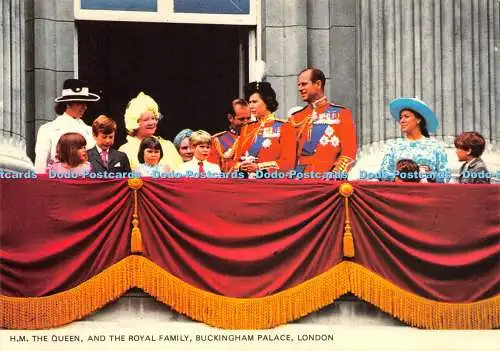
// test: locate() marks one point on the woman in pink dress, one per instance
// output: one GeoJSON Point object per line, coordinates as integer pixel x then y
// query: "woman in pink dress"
{"type": "Point", "coordinates": [71, 155]}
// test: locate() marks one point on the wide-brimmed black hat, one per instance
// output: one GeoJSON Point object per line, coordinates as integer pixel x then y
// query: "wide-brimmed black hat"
{"type": "Point", "coordinates": [264, 88]}
{"type": "Point", "coordinates": [76, 90]}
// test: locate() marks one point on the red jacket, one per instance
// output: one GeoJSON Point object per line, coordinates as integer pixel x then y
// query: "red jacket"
{"type": "Point", "coordinates": [326, 137]}
{"type": "Point", "coordinates": [221, 143]}
{"type": "Point", "coordinates": [270, 140]}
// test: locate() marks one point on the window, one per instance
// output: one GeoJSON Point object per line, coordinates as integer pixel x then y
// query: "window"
{"type": "Point", "coordinates": [230, 12]}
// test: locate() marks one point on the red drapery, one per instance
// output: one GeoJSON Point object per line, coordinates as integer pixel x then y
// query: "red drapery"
{"type": "Point", "coordinates": [252, 238]}
{"type": "Point", "coordinates": [437, 241]}
{"type": "Point", "coordinates": [241, 239]}
{"type": "Point", "coordinates": [57, 234]}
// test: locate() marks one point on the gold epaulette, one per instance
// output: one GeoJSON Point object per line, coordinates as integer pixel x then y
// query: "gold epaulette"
{"type": "Point", "coordinates": [337, 105]}
{"type": "Point", "coordinates": [219, 134]}
{"type": "Point", "coordinates": [302, 109]}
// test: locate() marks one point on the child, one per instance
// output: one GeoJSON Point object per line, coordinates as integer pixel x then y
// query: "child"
{"type": "Point", "coordinates": [150, 154]}
{"type": "Point", "coordinates": [71, 155]}
{"type": "Point", "coordinates": [469, 147]}
{"type": "Point", "coordinates": [102, 157]}
{"type": "Point", "coordinates": [407, 171]}
{"type": "Point", "coordinates": [201, 143]}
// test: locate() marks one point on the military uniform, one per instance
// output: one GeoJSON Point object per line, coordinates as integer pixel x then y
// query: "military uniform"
{"type": "Point", "coordinates": [270, 141]}
{"type": "Point", "coordinates": [326, 137]}
{"type": "Point", "coordinates": [220, 144]}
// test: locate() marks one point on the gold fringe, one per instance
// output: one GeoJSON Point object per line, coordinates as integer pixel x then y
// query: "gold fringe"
{"type": "Point", "coordinates": [70, 305]}
{"type": "Point", "coordinates": [418, 311]}
{"type": "Point", "coordinates": [244, 313]}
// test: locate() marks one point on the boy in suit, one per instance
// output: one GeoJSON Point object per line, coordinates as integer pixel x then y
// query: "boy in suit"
{"type": "Point", "coordinates": [469, 148]}
{"type": "Point", "coordinates": [102, 157]}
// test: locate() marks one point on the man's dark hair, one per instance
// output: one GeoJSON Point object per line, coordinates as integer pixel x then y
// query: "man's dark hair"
{"type": "Point", "coordinates": [471, 140]}
{"type": "Point", "coordinates": [316, 74]}
{"type": "Point", "coordinates": [230, 110]}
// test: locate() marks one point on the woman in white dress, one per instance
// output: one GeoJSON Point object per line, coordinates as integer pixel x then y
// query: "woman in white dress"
{"type": "Point", "coordinates": [70, 108]}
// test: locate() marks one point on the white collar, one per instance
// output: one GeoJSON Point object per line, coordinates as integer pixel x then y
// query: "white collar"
{"type": "Point", "coordinates": [101, 150]}
{"type": "Point", "coordinates": [68, 118]}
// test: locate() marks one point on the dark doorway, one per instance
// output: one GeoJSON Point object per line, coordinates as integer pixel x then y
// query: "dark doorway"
{"type": "Point", "coordinates": [192, 71]}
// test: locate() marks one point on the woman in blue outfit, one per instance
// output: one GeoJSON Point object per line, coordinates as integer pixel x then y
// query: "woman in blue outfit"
{"type": "Point", "coordinates": [416, 120]}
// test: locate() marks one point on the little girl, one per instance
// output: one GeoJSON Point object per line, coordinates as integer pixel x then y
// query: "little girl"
{"type": "Point", "coordinates": [150, 154]}
{"type": "Point", "coordinates": [71, 155]}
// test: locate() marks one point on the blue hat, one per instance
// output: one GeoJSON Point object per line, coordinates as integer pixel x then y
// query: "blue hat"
{"type": "Point", "coordinates": [183, 134]}
{"type": "Point", "coordinates": [417, 105]}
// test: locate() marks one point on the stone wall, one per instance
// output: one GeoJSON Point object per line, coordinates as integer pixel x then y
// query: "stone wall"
{"type": "Point", "coordinates": [13, 114]}
{"type": "Point", "coordinates": [372, 51]}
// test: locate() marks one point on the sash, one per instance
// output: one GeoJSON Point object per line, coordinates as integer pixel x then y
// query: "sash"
{"type": "Point", "coordinates": [318, 130]}
{"type": "Point", "coordinates": [226, 141]}
{"type": "Point", "coordinates": [310, 145]}
{"type": "Point", "coordinates": [300, 168]}
{"type": "Point", "coordinates": [254, 150]}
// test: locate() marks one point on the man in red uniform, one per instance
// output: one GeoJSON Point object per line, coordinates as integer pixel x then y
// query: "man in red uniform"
{"type": "Point", "coordinates": [222, 142]}
{"type": "Point", "coordinates": [325, 132]}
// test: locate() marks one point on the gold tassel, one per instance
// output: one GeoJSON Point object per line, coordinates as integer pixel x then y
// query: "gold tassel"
{"type": "Point", "coordinates": [346, 190]}
{"type": "Point", "coordinates": [136, 237]}
{"type": "Point", "coordinates": [348, 244]}
{"type": "Point", "coordinates": [136, 241]}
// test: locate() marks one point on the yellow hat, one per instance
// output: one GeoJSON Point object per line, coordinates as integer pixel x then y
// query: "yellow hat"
{"type": "Point", "coordinates": [136, 107]}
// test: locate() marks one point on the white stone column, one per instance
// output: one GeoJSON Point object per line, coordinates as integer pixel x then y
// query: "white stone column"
{"type": "Point", "coordinates": [52, 51]}
{"type": "Point", "coordinates": [13, 87]}
{"type": "Point", "coordinates": [444, 52]}
{"type": "Point", "coordinates": [441, 51]}
{"type": "Point", "coordinates": [285, 48]}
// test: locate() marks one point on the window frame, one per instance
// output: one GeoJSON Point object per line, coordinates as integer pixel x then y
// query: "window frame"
{"type": "Point", "coordinates": [165, 14]}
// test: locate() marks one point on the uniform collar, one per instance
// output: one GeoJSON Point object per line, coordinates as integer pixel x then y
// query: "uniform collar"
{"type": "Point", "coordinates": [270, 117]}
{"type": "Point", "coordinates": [320, 102]}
